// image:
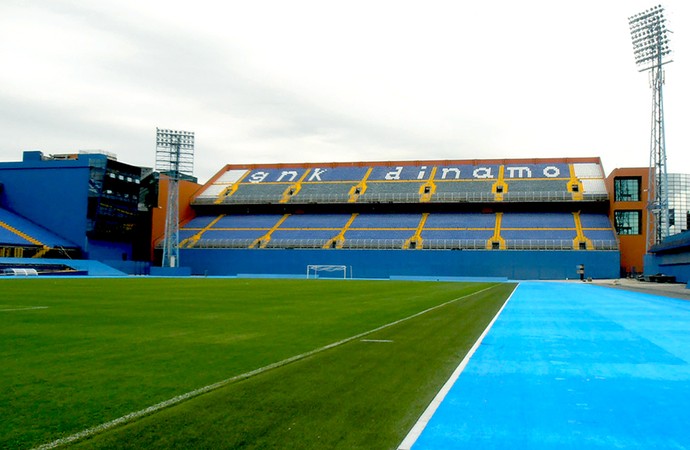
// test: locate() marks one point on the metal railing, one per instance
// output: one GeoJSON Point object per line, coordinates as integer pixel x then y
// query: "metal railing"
{"type": "Point", "coordinates": [397, 244]}
{"type": "Point", "coordinates": [403, 197]}
{"type": "Point", "coordinates": [555, 244]}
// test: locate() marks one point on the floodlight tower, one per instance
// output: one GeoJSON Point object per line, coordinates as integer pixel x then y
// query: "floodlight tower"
{"type": "Point", "coordinates": [174, 158]}
{"type": "Point", "coordinates": [651, 49]}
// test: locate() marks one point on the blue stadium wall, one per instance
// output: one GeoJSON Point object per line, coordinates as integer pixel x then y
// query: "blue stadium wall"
{"type": "Point", "coordinates": [54, 194]}
{"type": "Point", "coordinates": [54, 197]}
{"type": "Point", "coordinates": [513, 264]}
{"type": "Point", "coordinates": [670, 257]}
{"type": "Point", "coordinates": [676, 265]}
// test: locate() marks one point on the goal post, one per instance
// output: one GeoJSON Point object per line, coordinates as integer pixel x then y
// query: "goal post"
{"type": "Point", "coordinates": [314, 269]}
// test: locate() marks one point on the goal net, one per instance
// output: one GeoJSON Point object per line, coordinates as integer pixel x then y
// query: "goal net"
{"type": "Point", "coordinates": [314, 269]}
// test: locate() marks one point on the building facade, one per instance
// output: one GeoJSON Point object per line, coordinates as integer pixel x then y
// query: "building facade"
{"type": "Point", "coordinates": [628, 196]}
{"type": "Point", "coordinates": [678, 202]}
{"type": "Point", "coordinates": [628, 188]}
{"type": "Point", "coordinates": [90, 199]}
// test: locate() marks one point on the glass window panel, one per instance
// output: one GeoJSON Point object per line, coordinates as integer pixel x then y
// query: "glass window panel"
{"type": "Point", "coordinates": [627, 222]}
{"type": "Point", "coordinates": [627, 189]}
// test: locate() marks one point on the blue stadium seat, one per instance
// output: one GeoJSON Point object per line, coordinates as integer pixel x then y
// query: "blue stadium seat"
{"type": "Point", "coordinates": [265, 221]}
{"type": "Point", "coordinates": [199, 222]}
{"type": "Point", "coordinates": [257, 193]}
{"type": "Point", "coordinates": [34, 231]}
{"type": "Point", "coordinates": [332, 221]}
{"type": "Point", "coordinates": [323, 193]}
{"type": "Point", "coordinates": [600, 235]}
{"type": "Point", "coordinates": [590, 220]}
{"type": "Point", "coordinates": [391, 191]}
{"type": "Point", "coordinates": [460, 220]}
{"type": "Point", "coordinates": [386, 221]}
{"type": "Point", "coordinates": [542, 234]}
{"type": "Point", "coordinates": [456, 234]}
{"type": "Point", "coordinates": [7, 237]}
{"type": "Point", "coordinates": [538, 220]}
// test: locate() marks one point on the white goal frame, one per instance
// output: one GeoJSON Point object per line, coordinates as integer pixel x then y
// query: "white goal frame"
{"type": "Point", "coordinates": [316, 268]}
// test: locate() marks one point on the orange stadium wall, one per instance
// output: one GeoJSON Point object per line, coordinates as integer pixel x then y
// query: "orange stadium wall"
{"type": "Point", "coordinates": [632, 247]}
{"type": "Point", "coordinates": [187, 191]}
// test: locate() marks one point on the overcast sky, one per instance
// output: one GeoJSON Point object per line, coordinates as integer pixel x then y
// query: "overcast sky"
{"type": "Point", "coordinates": [314, 81]}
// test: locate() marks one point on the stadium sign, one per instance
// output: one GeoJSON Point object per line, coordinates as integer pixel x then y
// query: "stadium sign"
{"type": "Point", "coordinates": [408, 173]}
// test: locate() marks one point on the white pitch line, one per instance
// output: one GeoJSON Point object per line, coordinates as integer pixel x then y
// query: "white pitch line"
{"type": "Point", "coordinates": [376, 340]}
{"type": "Point", "coordinates": [423, 420]}
{"type": "Point", "coordinates": [28, 308]}
{"type": "Point", "coordinates": [212, 387]}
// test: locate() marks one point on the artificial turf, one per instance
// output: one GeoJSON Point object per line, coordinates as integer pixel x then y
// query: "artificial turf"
{"type": "Point", "coordinates": [104, 348]}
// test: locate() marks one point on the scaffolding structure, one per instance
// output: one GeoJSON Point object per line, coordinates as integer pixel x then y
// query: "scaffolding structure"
{"type": "Point", "coordinates": [175, 159]}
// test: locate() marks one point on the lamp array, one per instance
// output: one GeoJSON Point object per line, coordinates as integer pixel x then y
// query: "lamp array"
{"type": "Point", "coordinates": [649, 39]}
{"type": "Point", "coordinates": [174, 152]}
{"type": "Point", "coordinates": [167, 138]}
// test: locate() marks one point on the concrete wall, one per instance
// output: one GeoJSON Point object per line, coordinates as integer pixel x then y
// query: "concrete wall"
{"type": "Point", "coordinates": [55, 198]}
{"type": "Point", "coordinates": [518, 265]}
{"type": "Point", "coordinates": [106, 250]}
{"type": "Point", "coordinates": [675, 264]}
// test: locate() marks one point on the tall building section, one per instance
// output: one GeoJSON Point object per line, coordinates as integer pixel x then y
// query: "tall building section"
{"type": "Point", "coordinates": [679, 202]}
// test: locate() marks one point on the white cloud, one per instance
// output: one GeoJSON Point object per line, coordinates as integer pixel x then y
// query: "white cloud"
{"type": "Point", "coordinates": [271, 81]}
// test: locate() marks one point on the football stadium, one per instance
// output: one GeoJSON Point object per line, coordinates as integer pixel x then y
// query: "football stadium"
{"type": "Point", "coordinates": [400, 304]}
{"type": "Point", "coordinates": [372, 259]}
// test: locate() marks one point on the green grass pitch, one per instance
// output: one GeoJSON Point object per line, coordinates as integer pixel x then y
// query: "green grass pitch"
{"type": "Point", "coordinates": [77, 353]}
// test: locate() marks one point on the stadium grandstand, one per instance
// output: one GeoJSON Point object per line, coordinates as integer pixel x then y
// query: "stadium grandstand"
{"type": "Point", "coordinates": [512, 218]}
{"type": "Point", "coordinates": [77, 206]}
{"type": "Point", "coordinates": [20, 237]}
{"type": "Point", "coordinates": [518, 219]}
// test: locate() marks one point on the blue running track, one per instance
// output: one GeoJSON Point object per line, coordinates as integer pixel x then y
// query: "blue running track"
{"type": "Point", "coordinates": [573, 366]}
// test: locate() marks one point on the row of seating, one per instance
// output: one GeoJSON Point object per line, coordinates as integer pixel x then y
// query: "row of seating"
{"type": "Point", "coordinates": [18, 231]}
{"type": "Point", "coordinates": [408, 184]}
{"type": "Point", "coordinates": [369, 230]}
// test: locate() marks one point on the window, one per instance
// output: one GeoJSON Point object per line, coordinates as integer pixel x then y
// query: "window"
{"type": "Point", "coordinates": [627, 189]}
{"type": "Point", "coordinates": [627, 222]}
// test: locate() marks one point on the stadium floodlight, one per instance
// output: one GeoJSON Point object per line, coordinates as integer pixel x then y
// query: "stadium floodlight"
{"type": "Point", "coordinates": [174, 158]}
{"type": "Point", "coordinates": [649, 38]}
{"type": "Point", "coordinates": [651, 49]}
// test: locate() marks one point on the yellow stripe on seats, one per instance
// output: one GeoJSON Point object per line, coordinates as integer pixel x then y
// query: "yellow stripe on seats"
{"type": "Point", "coordinates": [417, 238]}
{"type": "Point", "coordinates": [497, 234]}
{"type": "Point", "coordinates": [428, 189]}
{"type": "Point", "coordinates": [580, 238]}
{"type": "Point", "coordinates": [500, 187]}
{"type": "Point", "coordinates": [360, 188]}
{"type": "Point", "coordinates": [230, 190]}
{"type": "Point", "coordinates": [294, 188]}
{"type": "Point", "coordinates": [575, 186]}
{"type": "Point", "coordinates": [266, 238]}
{"type": "Point", "coordinates": [192, 240]}
{"type": "Point", "coordinates": [338, 240]}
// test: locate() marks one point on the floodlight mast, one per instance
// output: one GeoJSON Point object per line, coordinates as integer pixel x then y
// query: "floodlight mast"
{"type": "Point", "coordinates": [651, 49]}
{"type": "Point", "coordinates": [174, 158]}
